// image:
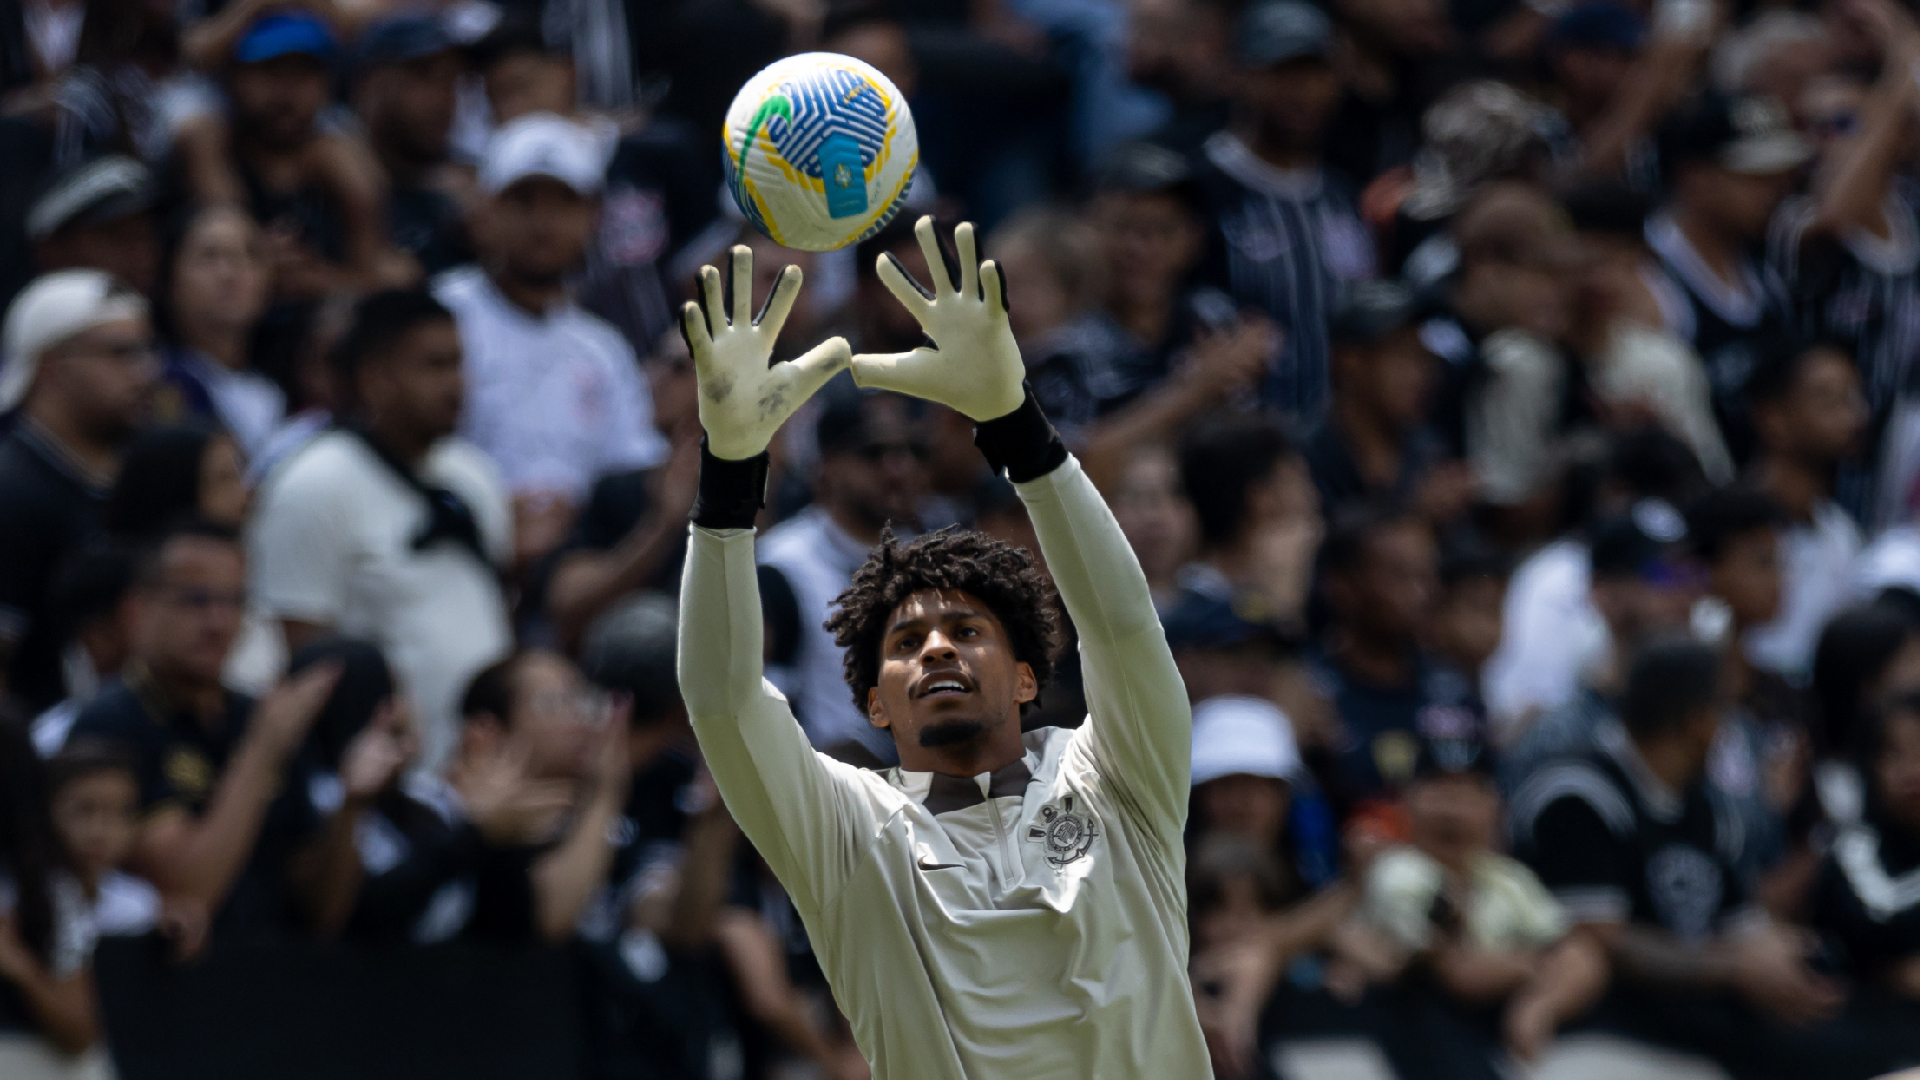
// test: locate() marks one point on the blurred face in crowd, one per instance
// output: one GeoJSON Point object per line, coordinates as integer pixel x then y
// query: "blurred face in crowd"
{"type": "Point", "coordinates": [223, 483]}
{"type": "Point", "coordinates": [124, 247]}
{"type": "Point", "coordinates": [537, 230]}
{"type": "Point", "coordinates": [1152, 513]}
{"type": "Point", "coordinates": [1240, 913]}
{"type": "Point", "coordinates": [1823, 417]}
{"type": "Point", "coordinates": [1291, 103]}
{"type": "Point", "coordinates": [1453, 817]}
{"type": "Point", "coordinates": [1590, 76]}
{"type": "Point", "coordinates": [528, 82]}
{"type": "Point", "coordinates": [1737, 204]}
{"type": "Point", "coordinates": [1524, 292]}
{"type": "Point", "coordinates": [408, 107]}
{"type": "Point", "coordinates": [1254, 807]}
{"type": "Point", "coordinates": [1830, 109]}
{"type": "Point", "coordinates": [1152, 239]}
{"type": "Point", "coordinates": [1387, 596]}
{"type": "Point", "coordinates": [220, 275]}
{"type": "Point", "coordinates": [275, 102]}
{"type": "Point", "coordinates": [1178, 47]}
{"type": "Point", "coordinates": [1747, 576]}
{"type": "Point", "coordinates": [190, 612]}
{"type": "Point", "coordinates": [555, 714]}
{"type": "Point", "coordinates": [94, 816]}
{"type": "Point", "coordinates": [947, 675]}
{"type": "Point", "coordinates": [1389, 381]}
{"type": "Point", "coordinates": [1896, 771]}
{"type": "Point", "coordinates": [416, 386]}
{"type": "Point", "coordinates": [103, 377]}
{"type": "Point", "coordinates": [671, 381]}
{"type": "Point", "coordinates": [1637, 606]}
{"type": "Point", "coordinates": [883, 479]}
{"type": "Point", "coordinates": [1468, 621]}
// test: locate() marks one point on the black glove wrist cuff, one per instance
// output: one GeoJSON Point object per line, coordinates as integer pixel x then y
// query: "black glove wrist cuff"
{"type": "Point", "coordinates": [1021, 444]}
{"type": "Point", "coordinates": [731, 493]}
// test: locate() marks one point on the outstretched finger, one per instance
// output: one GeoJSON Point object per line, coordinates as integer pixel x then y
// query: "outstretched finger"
{"type": "Point", "coordinates": [811, 371]}
{"type": "Point", "coordinates": [693, 327]}
{"type": "Point", "coordinates": [786, 289]}
{"type": "Point", "coordinates": [936, 259]}
{"type": "Point", "coordinates": [969, 260]}
{"type": "Point", "coordinates": [994, 285]}
{"type": "Point", "coordinates": [904, 288]}
{"type": "Point", "coordinates": [716, 300]}
{"type": "Point", "coordinates": [741, 258]}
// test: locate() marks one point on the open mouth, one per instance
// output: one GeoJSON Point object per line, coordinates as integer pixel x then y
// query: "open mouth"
{"type": "Point", "coordinates": [938, 687]}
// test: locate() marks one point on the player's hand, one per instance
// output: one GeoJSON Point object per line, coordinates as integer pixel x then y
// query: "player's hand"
{"type": "Point", "coordinates": [974, 367]}
{"type": "Point", "coordinates": [743, 401]}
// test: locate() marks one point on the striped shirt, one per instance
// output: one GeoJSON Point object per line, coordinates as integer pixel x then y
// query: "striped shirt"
{"type": "Point", "coordinates": [1286, 242]}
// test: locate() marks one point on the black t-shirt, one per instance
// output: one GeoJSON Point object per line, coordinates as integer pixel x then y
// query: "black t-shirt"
{"type": "Point", "coordinates": [179, 760]}
{"type": "Point", "coordinates": [431, 876]}
{"type": "Point", "coordinates": [660, 194]}
{"type": "Point", "coordinates": [1867, 897]}
{"type": "Point", "coordinates": [1614, 846]}
{"type": "Point", "coordinates": [49, 508]}
{"type": "Point", "coordinates": [1382, 725]}
{"type": "Point", "coordinates": [428, 225]}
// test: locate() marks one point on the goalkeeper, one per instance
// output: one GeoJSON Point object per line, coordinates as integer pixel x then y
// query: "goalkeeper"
{"type": "Point", "coordinates": [1000, 905]}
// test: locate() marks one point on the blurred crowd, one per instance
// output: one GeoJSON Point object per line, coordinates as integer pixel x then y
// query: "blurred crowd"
{"type": "Point", "coordinates": [1514, 405]}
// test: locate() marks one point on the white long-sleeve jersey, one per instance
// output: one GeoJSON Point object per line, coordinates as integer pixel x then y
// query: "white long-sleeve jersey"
{"type": "Point", "coordinates": [1028, 923]}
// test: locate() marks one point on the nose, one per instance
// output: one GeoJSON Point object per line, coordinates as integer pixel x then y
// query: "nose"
{"type": "Point", "coordinates": [937, 647]}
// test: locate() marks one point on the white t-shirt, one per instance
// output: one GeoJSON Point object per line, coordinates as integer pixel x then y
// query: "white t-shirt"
{"type": "Point", "coordinates": [1816, 581]}
{"type": "Point", "coordinates": [556, 400]}
{"type": "Point", "coordinates": [332, 543]}
{"type": "Point", "coordinates": [1552, 633]}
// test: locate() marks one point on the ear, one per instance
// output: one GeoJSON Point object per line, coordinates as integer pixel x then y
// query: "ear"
{"type": "Point", "coordinates": [1025, 686]}
{"type": "Point", "coordinates": [876, 712]}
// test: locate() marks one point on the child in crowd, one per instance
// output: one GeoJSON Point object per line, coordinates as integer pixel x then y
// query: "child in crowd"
{"type": "Point", "coordinates": [95, 796]}
{"type": "Point", "coordinates": [1471, 939]}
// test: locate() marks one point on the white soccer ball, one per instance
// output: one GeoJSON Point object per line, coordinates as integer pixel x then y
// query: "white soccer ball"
{"type": "Point", "coordinates": [820, 151]}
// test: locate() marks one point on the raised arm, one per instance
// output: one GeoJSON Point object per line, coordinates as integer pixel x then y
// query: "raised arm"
{"type": "Point", "coordinates": [793, 804]}
{"type": "Point", "coordinates": [1142, 728]}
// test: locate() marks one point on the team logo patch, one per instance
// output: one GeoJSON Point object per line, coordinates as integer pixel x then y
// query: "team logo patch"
{"type": "Point", "coordinates": [1066, 834]}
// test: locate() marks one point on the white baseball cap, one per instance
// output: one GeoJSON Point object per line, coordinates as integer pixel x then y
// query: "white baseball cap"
{"type": "Point", "coordinates": [543, 144]}
{"type": "Point", "coordinates": [1235, 735]}
{"type": "Point", "coordinates": [52, 309]}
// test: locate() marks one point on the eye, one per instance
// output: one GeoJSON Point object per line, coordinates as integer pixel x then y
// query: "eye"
{"type": "Point", "coordinates": [906, 643]}
{"type": "Point", "coordinates": [967, 632]}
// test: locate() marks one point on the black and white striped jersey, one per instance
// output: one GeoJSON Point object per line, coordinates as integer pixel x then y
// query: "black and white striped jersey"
{"type": "Point", "coordinates": [1286, 242]}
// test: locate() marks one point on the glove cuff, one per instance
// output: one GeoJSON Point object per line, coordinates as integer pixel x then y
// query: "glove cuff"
{"type": "Point", "coordinates": [1021, 444]}
{"type": "Point", "coordinates": [731, 493]}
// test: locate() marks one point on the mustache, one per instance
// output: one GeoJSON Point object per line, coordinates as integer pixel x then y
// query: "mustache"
{"type": "Point", "coordinates": [950, 733]}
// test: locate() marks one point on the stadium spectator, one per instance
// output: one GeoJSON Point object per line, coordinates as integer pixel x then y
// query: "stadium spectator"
{"type": "Point", "coordinates": [93, 791]}
{"type": "Point", "coordinates": [1284, 238]}
{"type": "Point", "coordinates": [406, 75]}
{"type": "Point", "coordinates": [1258, 514]}
{"type": "Point", "coordinates": [1156, 519]}
{"type": "Point", "coordinates": [212, 293]}
{"type": "Point", "coordinates": [97, 215]}
{"type": "Point", "coordinates": [1463, 630]}
{"type": "Point", "coordinates": [46, 1001]}
{"type": "Point", "coordinates": [1374, 446]}
{"type": "Point", "coordinates": [388, 529]}
{"type": "Point", "coordinates": [1644, 855]}
{"type": "Point", "coordinates": [93, 592]}
{"type": "Point", "coordinates": [1808, 417]}
{"type": "Point", "coordinates": [554, 395]}
{"type": "Point", "coordinates": [1865, 657]}
{"type": "Point", "coordinates": [1729, 163]}
{"type": "Point", "coordinates": [869, 478]}
{"type": "Point", "coordinates": [78, 375]}
{"type": "Point", "coordinates": [1479, 950]}
{"type": "Point", "coordinates": [173, 474]}
{"type": "Point", "coordinates": [219, 826]}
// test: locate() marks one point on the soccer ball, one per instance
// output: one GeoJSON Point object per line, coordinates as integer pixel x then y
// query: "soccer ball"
{"type": "Point", "coordinates": [820, 151]}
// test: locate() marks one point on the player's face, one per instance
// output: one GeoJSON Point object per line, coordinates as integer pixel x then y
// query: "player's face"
{"type": "Point", "coordinates": [948, 675]}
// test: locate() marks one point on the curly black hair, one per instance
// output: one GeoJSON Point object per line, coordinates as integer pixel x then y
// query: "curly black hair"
{"type": "Point", "coordinates": [1002, 576]}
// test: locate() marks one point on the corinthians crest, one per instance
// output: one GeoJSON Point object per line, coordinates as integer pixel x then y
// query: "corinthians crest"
{"type": "Point", "coordinates": [1066, 835]}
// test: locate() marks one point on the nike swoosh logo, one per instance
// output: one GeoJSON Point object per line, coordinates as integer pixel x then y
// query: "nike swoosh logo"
{"type": "Point", "coordinates": [925, 865]}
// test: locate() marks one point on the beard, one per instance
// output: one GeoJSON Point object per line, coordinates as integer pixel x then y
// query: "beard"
{"type": "Point", "coordinates": [950, 733]}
